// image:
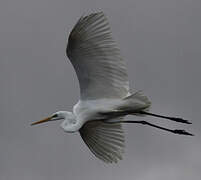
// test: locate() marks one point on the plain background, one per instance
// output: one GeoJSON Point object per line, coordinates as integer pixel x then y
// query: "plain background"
{"type": "Point", "coordinates": [161, 43]}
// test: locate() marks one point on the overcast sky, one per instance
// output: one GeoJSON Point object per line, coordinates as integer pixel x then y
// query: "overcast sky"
{"type": "Point", "coordinates": [161, 43]}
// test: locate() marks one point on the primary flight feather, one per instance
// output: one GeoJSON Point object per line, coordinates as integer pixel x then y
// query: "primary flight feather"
{"type": "Point", "coordinates": [105, 98]}
{"type": "Point", "coordinates": [96, 58]}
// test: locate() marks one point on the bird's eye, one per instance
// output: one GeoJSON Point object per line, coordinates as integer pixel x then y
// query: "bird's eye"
{"type": "Point", "coordinates": [55, 115]}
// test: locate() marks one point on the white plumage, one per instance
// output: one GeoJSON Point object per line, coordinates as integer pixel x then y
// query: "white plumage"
{"type": "Point", "coordinates": [96, 58]}
{"type": "Point", "coordinates": [105, 140]}
{"type": "Point", "coordinates": [102, 74]}
{"type": "Point", "coordinates": [104, 90]}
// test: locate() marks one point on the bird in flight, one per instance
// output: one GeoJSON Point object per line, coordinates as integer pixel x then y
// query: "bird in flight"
{"type": "Point", "coordinates": [105, 98]}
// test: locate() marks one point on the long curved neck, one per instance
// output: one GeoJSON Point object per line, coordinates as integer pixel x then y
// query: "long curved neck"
{"type": "Point", "coordinates": [71, 128]}
{"type": "Point", "coordinates": [70, 123]}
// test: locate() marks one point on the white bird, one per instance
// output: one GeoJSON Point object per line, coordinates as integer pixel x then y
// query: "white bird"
{"type": "Point", "coordinates": [105, 98]}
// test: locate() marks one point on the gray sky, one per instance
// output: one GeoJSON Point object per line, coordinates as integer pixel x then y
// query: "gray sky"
{"type": "Point", "coordinates": [161, 42]}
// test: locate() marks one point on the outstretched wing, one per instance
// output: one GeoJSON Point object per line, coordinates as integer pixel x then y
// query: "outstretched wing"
{"type": "Point", "coordinates": [96, 59]}
{"type": "Point", "coordinates": [105, 140]}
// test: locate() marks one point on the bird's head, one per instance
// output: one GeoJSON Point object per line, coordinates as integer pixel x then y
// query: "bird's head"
{"type": "Point", "coordinates": [68, 118]}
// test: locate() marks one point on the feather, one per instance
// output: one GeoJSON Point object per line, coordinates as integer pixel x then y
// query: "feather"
{"type": "Point", "coordinates": [105, 140]}
{"type": "Point", "coordinates": [96, 59]}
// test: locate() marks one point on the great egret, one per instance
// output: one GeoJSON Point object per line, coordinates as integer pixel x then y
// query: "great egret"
{"type": "Point", "coordinates": [105, 98]}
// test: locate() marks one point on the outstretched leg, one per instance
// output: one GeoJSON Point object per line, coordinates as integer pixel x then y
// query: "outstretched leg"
{"type": "Point", "coordinates": [166, 117]}
{"type": "Point", "coordinates": [131, 112]}
{"type": "Point", "coordinates": [175, 131]}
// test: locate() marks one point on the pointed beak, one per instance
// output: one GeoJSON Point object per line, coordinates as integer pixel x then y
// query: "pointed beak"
{"type": "Point", "coordinates": [42, 121]}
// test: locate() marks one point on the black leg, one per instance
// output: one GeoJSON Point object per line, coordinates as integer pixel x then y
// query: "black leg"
{"type": "Point", "coordinates": [175, 131]}
{"type": "Point", "coordinates": [167, 117]}
{"type": "Point", "coordinates": [130, 112]}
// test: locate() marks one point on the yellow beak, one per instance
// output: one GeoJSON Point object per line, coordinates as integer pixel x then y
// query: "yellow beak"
{"type": "Point", "coordinates": [42, 121]}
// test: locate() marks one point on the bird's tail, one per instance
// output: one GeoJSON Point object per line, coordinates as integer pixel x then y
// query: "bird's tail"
{"type": "Point", "coordinates": [142, 106]}
{"type": "Point", "coordinates": [139, 101]}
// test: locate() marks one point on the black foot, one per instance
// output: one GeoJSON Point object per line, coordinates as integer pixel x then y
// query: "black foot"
{"type": "Point", "coordinates": [182, 132]}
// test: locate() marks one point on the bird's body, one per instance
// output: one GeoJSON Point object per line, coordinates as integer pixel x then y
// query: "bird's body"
{"type": "Point", "coordinates": [106, 109]}
{"type": "Point", "coordinates": [105, 97]}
